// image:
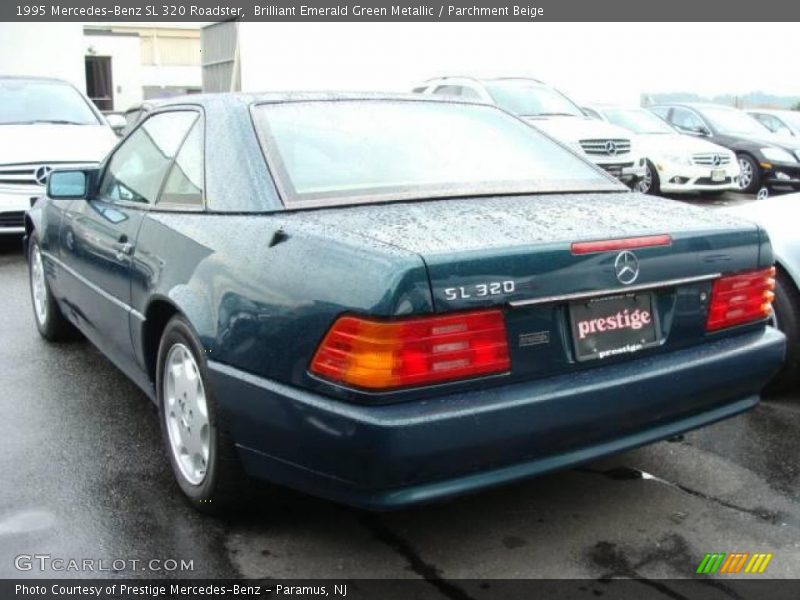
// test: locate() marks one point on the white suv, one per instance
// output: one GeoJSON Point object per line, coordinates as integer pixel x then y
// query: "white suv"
{"type": "Point", "coordinates": [610, 147]}
{"type": "Point", "coordinates": [44, 123]}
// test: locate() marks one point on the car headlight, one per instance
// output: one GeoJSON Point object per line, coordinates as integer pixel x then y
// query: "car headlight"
{"type": "Point", "coordinates": [777, 155]}
{"type": "Point", "coordinates": [678, 159]}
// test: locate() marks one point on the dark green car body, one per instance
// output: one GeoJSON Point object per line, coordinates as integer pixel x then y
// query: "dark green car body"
{"type": "Point", "coordinates": [261, 283]}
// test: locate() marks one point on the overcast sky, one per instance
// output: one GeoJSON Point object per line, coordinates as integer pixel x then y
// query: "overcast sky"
{"type": "Point", "coordinates": [592, 61]}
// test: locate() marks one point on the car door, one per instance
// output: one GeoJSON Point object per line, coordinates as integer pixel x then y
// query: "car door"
{"type": "Point", "coordinates": [99, 235]}
{"type": "Point", "coordinates": [164, 254]}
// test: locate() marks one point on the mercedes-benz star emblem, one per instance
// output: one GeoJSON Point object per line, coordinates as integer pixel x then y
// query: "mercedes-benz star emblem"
{"type": "Point", "coordinates": [611, 148]}
{"type": "Point", "coordinates": [41, 174]}
{"type": "Point", "coordinates": [716, 160]}
{"type": "Point", "coordinates": [626, 267]}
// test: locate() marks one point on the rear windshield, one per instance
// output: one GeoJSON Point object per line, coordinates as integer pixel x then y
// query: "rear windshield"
{"type": "Point", "coordinates": [343, 152]}
{"type": "Point", "coordinates": [25, 102]}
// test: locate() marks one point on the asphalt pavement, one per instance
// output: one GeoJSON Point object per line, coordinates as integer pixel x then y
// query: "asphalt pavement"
{"type": "Point", "coordinates": [83, 474]}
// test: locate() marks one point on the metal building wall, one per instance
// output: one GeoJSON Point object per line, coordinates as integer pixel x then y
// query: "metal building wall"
{"type": "Point", "coordinates": [220, 64]}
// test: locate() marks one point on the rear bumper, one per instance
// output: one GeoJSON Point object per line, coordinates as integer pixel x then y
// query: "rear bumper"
{"type": "Point", "coordinates": [384, 457]}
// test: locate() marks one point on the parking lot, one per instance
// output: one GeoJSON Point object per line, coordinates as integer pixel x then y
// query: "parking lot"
{"type": "Point", "coordinates": [85, 475]}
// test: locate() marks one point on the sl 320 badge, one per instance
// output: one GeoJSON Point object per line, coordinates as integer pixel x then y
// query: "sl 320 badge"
{"type": "Point", "coordinates": [479, 290]}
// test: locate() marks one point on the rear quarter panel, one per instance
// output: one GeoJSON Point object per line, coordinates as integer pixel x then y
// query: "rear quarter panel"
{"type": "Point", "coordinates": [261, 308]}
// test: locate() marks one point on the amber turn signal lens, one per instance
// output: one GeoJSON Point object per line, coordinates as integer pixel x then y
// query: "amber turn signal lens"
{"type": "Point", "coordinates": [379, 355]}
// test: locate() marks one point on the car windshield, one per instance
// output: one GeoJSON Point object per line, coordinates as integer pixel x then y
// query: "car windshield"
{"type": "Point", "coordinates": [26, 102]}
{"type": "Point", "coordinates": [732, 121]}
{"type": "Point", "coordinates": [531, 99]}
{"type": "Point", "coordinates": [637, 120]}
{"type": "Point", "coordinates": [343, 152]}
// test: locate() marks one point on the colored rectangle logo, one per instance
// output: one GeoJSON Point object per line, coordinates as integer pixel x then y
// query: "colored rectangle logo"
{"type": "Point", "coordinates": [731, 563]}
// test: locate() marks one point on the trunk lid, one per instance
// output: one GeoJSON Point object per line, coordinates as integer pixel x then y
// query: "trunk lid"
{"type": "Point", "coordinates": [515, 253]}
{"type": "Point", "coordinates": [526, 240]}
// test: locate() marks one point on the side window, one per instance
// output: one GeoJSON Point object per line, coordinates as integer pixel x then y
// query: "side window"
{"type": "Point", "coordinates": [774, 124]}
{"type": "Point", "coordinates": [184, 186]}
{"type": "Point", "coordinates": [661, 111]}
{"type": "Point", "coordinates": [686, 119]}
{"type": "Point", "coordinates": [448, 90]}
{"type": "Point", "coordinates": [132, 117]}
{"type": "Point", "coordinates": [138, 167]}
{"type": "Point", "coordinates": [470, 94]}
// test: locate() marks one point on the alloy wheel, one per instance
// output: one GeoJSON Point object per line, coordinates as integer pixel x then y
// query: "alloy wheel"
{"type": "Point", "coordinates": [186, 415]}
{"type": "Point", "coordinates": [646, 184]}
{"type": "Point", "coordinates": [38, 285]}
{"type": "Point", "coordinates": [746, 175]}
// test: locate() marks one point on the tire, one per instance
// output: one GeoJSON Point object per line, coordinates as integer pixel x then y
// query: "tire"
{"type": "Point", "coordinates": [787, 315]}
{"type": "Point", "coordinates": [208, 472]}
{"type": "Point", "coordinates": [651, 184]}
{"type": "Point", "coordinates": [50, 321]}
{"type": "Point", "coordinates": [750, 176]}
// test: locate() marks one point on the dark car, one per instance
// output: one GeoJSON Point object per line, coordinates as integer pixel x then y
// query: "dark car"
{"type": "Point", "coordinates": [780, 122]}
{"type": "Point", "coordinates": [391, 300]}
{"type": "Point", "coordinates": [764, 158]}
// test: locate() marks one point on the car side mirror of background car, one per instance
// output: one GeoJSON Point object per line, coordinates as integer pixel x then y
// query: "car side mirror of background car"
{"type": "Point", "coordinates": [70, 184]}
{"type": "Point", "coordinates": [697, 131]}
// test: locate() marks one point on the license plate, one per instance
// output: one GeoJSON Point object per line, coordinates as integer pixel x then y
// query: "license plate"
{"type": "Point", "coordinates": [613, 326]}
{"type": "Point", "coordinates": [718, 175]}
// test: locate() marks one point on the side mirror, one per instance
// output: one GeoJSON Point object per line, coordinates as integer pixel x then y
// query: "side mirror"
{"type": "Point", "coordinates": [698, 131]}
{"type": "Point", "coordinates": [117, 123]}
{"type": "Point", "coordinates": [69, 184]}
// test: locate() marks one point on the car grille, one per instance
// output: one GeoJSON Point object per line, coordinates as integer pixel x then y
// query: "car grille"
{"type": "Point", "coordinates": [18, 174]}
{"type": "Point", "coordinates": [606, 147]}
{"type": "Point", "coordinates": [24, 175]}
{"type": "Point", "coordinates": [12, 219]}
{"type": "Point", "coordinates": [711, 159]}
{"type": "Point", "coordinates": [709, 181]}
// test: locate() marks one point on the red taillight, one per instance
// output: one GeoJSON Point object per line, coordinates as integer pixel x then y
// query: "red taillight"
{"type": "Point", "coordinates": [741, 298]}
{"type": "Point", "coordinates": [372, 354]}
{"type": "Point", "coordinates": [620, 244]}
